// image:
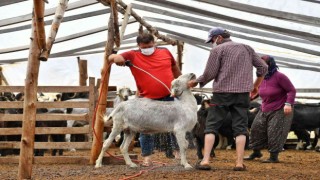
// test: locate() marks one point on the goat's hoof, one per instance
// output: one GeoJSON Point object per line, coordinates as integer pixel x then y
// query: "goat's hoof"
{"type": "Point", "coordinates": [187, 166]}
{"type": "Point", "coordinates": [228, 148]}
{"type": "Point", "coordinates": [133, 165]}
{"type": "Point", "coordinates": [317, 148]}
{"type": "Point", "coordinates": [98, 165]}
{"type": "Point", "coordinates": [73, 150]}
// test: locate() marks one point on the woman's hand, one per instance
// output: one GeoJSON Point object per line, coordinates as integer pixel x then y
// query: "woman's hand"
{"type": "Point", "coordinates": [287, 109]}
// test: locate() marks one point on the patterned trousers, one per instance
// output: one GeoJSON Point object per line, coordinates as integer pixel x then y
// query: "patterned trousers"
{"type": "Point", "coordinates": [270, 130]}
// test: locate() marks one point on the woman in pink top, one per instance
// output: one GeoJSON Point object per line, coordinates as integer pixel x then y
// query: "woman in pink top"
{"type": "Point", "coordinates": [271, 126]}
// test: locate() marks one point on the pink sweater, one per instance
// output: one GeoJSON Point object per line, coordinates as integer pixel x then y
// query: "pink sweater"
{"type": "Point", "coordinates": [276, 91]}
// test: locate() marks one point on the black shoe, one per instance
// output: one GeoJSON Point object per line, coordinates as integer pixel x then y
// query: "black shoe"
{"type": "Point", "coordinates": [255, 154]}
{"type": "Point", "coordinates": [273, 158]}
{"type": "Point", "coordinates": [271, 161]}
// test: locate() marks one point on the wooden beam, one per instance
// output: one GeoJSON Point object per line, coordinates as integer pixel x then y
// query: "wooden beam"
{"type": "Point", "coordinates": [47, 130]}
{"type": "Point", "coordinates": [57, 104]}
{"type": "Point", "coordinates": [29, 113]}
{"type": "Point", "coordinates": [234, 34]}
{"type": "Point", "coordinates": [298, 18]}
{"type": "Point", "coordinates": [8, 2]}
{"type": "Point", "coordinates": [147, 25]}
{"type": "Point", "coordinates": [210, 14]}
{"type": "Point", "coordinates": [83, 72]}
{"type": "Point", "coordinates": [46, 117]}
{"type": "Point", "coordinates": [39, 13]}
{"type": "Point", "coordinates": [48, 145]}
{"type": "Point", "coordinates": [48, 12]}
{"type": "Point", "coordinates": [58, 16]}
{"type": "Point", "coordinates": [115, 23]}
{"type": "Point", "coordinates": [180, 54]}
{"type": "Point", "coordinates": [103, 91]}
{"type": "Point", "coordinates": [125, 21]}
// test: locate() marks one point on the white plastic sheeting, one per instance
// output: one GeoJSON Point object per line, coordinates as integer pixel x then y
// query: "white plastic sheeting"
{"type": "Point", "coordinates": [64, 71]}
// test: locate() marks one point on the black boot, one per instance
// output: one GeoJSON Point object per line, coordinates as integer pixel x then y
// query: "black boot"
{"type": "Point", "coordinates": [255, 154]}
{"type": "Point", "coordinates": [273, 158]}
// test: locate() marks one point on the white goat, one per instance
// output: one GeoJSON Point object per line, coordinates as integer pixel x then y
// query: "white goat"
{"type": "Point", "coordinates": [151, 116]}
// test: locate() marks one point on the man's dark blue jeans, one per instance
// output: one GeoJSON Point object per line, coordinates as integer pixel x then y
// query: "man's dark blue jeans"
{"type": "Point", "coordinates": [147, 140]}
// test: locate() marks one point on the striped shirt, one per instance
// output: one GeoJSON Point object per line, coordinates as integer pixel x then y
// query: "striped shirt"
{"type": "Point", "coordinates": [230, 64]}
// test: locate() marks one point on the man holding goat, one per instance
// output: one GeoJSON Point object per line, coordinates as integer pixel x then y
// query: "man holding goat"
{"type": "Point", "coordinates": [153, 69]}
{"type": "Point", "coordinates": [230, 65]}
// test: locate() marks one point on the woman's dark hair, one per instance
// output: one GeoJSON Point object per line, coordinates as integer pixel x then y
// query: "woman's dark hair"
{"type": "Point", "coordinates": [145, 38]}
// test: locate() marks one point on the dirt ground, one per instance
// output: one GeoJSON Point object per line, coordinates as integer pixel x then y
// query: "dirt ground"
{"type": "Point", "coordinates": [294, 165]}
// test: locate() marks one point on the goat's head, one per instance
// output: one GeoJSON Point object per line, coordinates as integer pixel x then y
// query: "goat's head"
{"type": "Point", "coordinates": [180, 84]}
{"type": "Point", "coordinates": [124, 93]}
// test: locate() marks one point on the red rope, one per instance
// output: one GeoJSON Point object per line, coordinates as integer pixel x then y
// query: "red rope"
{"type": "Point", "coordinates": [99, 140]}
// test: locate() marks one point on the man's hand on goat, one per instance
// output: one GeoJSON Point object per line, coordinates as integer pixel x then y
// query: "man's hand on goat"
{"type": "Point", "coordinates": [192, 83]}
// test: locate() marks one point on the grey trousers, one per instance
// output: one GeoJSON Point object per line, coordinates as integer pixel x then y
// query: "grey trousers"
{"type": "Point", "coordinates": [270, 130]}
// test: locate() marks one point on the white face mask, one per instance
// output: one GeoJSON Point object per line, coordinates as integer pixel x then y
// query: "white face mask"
{"type": "Point", "coordinates": [147, 51]}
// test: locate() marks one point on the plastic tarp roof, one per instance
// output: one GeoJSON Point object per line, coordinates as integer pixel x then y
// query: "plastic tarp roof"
{"type": "Point", "coordinates": [298, 58]}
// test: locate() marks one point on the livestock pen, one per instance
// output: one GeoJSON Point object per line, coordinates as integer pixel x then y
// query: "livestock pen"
{"type": "Point", "coordinates": [90, 104]}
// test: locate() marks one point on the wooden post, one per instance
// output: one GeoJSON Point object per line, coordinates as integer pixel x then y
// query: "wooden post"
{"type": "Point", "coordinates": [92, 100]}
{"type": "Point", "coordinates": [140, 30]}
{"type": "Point", "coordinates": [58, 16]}
{"type": "Point", "coordinates": [103, 91]}
{"type": "Point", "coordinates": [123, 27]}
{"type": "Point", "coordinates": [179, 54]}
{"type": "Point", "coordinates": [0, 76]}
{"type": "Point", "coordinates": [116, 25]}
{"type": "Point", "coordinates": [83, 72]}
{"type": "Point", "coordinates": [39, 16]}
{"type": "Point", "coordinates": [29, 106]}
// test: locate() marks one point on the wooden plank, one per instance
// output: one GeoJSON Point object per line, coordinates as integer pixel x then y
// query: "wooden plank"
{"type": "Point", "coordinates": [46, 117]}
{"type": "Point", "coordinates": [48, 145]}
{"type": "Point", "coordinates": [62, 104]}
{"type": "Point", "coordinates": [47, 130]}
{"type": "Point", "coordinates": [81, 160]}
{"type": "Point", "coordinates": [8, 2]}
{"type": "Point", "coordinates": [299, 18]}
{"type": "Point", "coordinates": [48, 12]}
{"type": "Point", "coordinates": [210, 14]}
{"type": "Point", "coordinates": [53, 88]}
{"type": "Point", "coordinates": [46, 88]}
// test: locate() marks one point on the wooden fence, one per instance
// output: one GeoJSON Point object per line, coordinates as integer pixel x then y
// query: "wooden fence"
{"type": "Point", "coordinates": [90, 104]}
